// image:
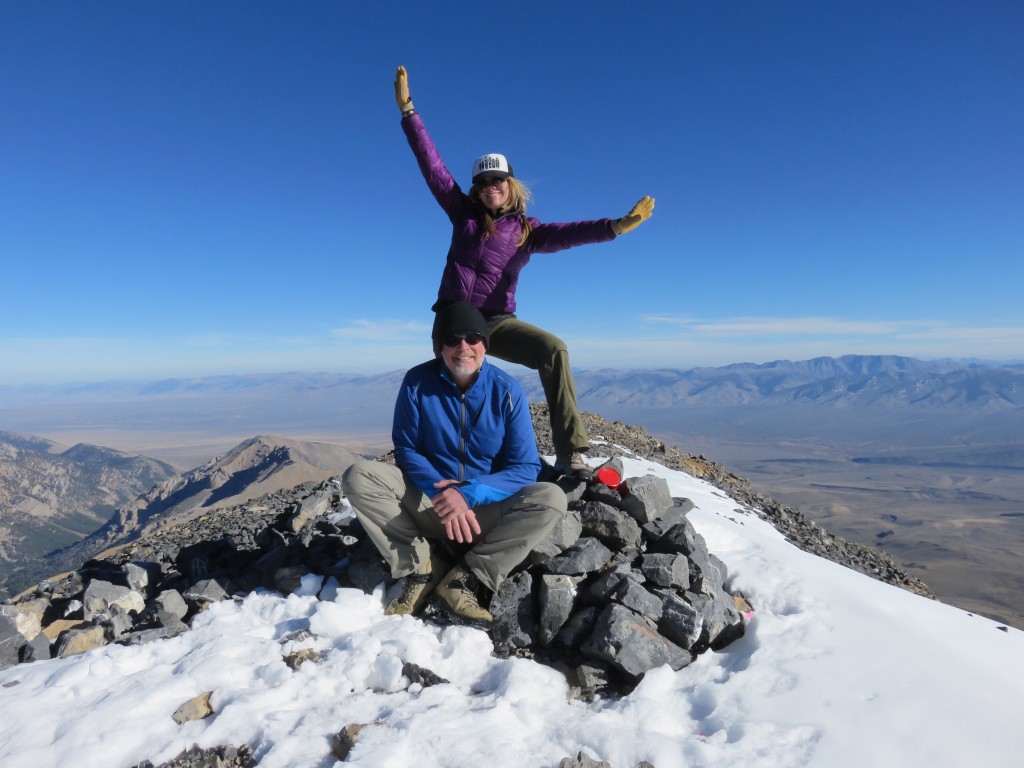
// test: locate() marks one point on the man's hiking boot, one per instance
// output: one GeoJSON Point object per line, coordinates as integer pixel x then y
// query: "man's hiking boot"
{"type": "Point", "coordinates": [418, 586]}
{"type": "Point", "coordinates": [572, 465]}
{"type": "Point", "coordinates": [459, 592]}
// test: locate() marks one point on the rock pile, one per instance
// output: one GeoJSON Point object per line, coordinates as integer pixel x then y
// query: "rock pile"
{"type": "Point", "coordinates": [151, 588]}
{"type": "Point", "coordinates": [624, 584]}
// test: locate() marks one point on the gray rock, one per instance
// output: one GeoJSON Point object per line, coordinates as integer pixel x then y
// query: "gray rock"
{"type": "Point", "coordinates": [583, 760]}
{"type": "Point", "coordinates": [635, 597]}
{"type": "Point", "coordinates": [143, 636]}
{"type": "Point", "coordinates": [586, 555]}
{"type": "Point", "coordinates": [67, 586]}
{"type": "Point", "coordinates": [199, 561]}
{"type": "Point", "coordinates": [573, 489]}
{"type": "Point", "coordinates": [631, 643]}
{"type": "Point", "coordinates": [169, 620]}
{"type": "Point", "coordinates": [590, 677]}
{"type": "Point", "coordinates": [681, 538]}
{"type": "Point", "coordinates": [707, 573]}
{"type": "Point", "coordinates": [36, 649]}
{"type": "Point", "coordinates": [289, 578]}
{"type": "Point", "coordinates": [556, 596]}
{"type": "Point", "coordinates": [722, 622]}
{"type": "Point", "coordinates": [514, 624]}
{"type": "Point", "coordinates": [171, 601]}
{"type": "Point", "coordinates": [204, 592]}
{"type": "Point", "coordinates": [100, 596]}
{"type": "Point", "coordinates": [602, 587]}
{"type": "Point", "coordinates": [270, 539]}
{"type": "Point", "coordinates": [602, 494]}
{"type": "Point", "coordinates": [613, 527]}
{"type": "Point", "coordinates": [366, 574]}
{"type": "Point", "coordinates": [141, 577]}
{"type": "Point", "coordinates": [680, 622]}
{"type": "Point", "coordinates": [655, 529]}
{"type": "Point", "coordinates": [118, 622]}
{"type": "Point", "coordinates": [343, 741]}
{"type": "Point", "coordinates": [309, 509]}
{"type": "Point", "coordinates": [648, 498]}
{"type": "Point", "coordinates": [212, 757]}
{"type": "Point", "coordinates": [11, 641]}
{"type": "Point", "coordinates": [417, 675]}
{"type": "Point", "coordinates": [578, 627]}
{"type": "Point", "coordinates": [565, 533]}
{"type": "Point", "coordinates": [666, 570]}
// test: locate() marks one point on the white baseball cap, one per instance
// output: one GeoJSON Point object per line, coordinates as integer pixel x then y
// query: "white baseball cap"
{"type": "Point", "coordinates": [493, 165]}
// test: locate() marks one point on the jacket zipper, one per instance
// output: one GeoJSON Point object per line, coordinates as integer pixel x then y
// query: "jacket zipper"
{"type": "Point", "coordinates": [462, 437]}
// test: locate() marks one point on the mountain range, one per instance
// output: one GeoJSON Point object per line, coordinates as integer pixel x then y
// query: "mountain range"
{"type": "Point", "coordinates": [51, 495]}
{"type": "Point", "coordinates": [848, 381]}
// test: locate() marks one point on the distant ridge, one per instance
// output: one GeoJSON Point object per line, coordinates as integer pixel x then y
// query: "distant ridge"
{"type": "Point", "coordinates": [258, 466]}
{"type": "Point", "coordinates": [875, 380]}
{"type": "Point", "coordinates": [850, 380]}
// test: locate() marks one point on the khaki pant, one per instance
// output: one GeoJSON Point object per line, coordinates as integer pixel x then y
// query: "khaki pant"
{"type": "Point", "coordinates": [399, 519]}
{"type": "Point", "coordinates": [517, 342]}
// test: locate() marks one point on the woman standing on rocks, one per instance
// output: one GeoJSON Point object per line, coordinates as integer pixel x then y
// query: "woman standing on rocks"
{"type": "Point", "coordinates": [492, 240]}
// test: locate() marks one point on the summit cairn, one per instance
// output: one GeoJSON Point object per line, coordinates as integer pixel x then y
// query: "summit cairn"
{"type": "Point", "coordinates": [624, 585]}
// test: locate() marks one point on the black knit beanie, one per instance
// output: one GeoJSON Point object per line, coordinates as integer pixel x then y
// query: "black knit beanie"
{"type": "Point", "coordinates": [462, 318]}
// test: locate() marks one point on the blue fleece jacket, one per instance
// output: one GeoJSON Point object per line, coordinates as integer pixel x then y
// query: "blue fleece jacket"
{"type": "Point", "coordinates": [482, 437]}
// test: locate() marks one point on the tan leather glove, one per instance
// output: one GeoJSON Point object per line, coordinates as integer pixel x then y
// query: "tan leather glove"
{"type": "Point", "coordinates": [402, 91]}
{"type": "Point", "coordinates": [640, 213]}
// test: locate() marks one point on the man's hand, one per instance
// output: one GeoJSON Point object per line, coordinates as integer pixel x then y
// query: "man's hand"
{"type": "Point", "coordinates": [402, 91]}
{"type": "Point", "coordinates": [640, 213]}
{"type": "Point", "coordinates": [459, 520]}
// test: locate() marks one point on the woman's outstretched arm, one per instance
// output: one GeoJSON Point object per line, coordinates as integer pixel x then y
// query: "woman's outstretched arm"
{"type": "Point", "coordinates": [439, 179]}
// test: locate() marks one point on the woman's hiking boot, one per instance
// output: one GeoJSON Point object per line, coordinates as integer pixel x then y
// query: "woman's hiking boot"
{"type": "Point", "coordinates": [572, 466]}
{"type": "Point", "coordinates": [459, 592]}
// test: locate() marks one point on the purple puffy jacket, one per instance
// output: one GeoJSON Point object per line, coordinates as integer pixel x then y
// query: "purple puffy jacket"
{"type": "Point", "coordinates": [485, 270]}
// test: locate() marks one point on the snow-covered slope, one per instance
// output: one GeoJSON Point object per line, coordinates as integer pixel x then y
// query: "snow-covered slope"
{"type": "Point", "coordinates": [835, 670]}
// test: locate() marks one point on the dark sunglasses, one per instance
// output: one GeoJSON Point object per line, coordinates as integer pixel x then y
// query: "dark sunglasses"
{"type": "Point", "coordinates": [491, 181]}
{"type": "Point", "coordinates": [470, 338]}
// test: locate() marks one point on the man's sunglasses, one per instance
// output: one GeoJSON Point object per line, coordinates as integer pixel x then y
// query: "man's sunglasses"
{"type": "Point", "coordinates": [470, 338]}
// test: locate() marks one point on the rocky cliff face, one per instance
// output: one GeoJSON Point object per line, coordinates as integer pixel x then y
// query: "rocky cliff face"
{"type": "Point", "coordinates": [51, 495]}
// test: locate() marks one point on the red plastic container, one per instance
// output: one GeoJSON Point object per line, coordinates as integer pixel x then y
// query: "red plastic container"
{"type": "Point", "coordinates": [609, 476]}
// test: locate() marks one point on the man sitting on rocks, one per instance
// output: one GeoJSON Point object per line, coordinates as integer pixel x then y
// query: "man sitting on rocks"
{"type": "Point", "coordinates": [464, 487]}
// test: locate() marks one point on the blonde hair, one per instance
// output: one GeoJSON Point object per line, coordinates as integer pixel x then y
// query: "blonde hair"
{"type": "Point", "coordinates": [518, 196]}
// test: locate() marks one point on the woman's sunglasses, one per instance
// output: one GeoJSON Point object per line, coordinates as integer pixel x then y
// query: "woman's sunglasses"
{"type": "Point", "coordinates": [490, 181]}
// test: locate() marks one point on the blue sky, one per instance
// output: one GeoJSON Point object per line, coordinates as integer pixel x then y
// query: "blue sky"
{"type": "Point", "coordinates": [193, 188]}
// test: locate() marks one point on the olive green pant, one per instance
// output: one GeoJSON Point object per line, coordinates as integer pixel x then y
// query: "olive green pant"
{"type": "Point", "coordinates": [517, 342]}
{"type": "Point", "coordinates": [400, 521]}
